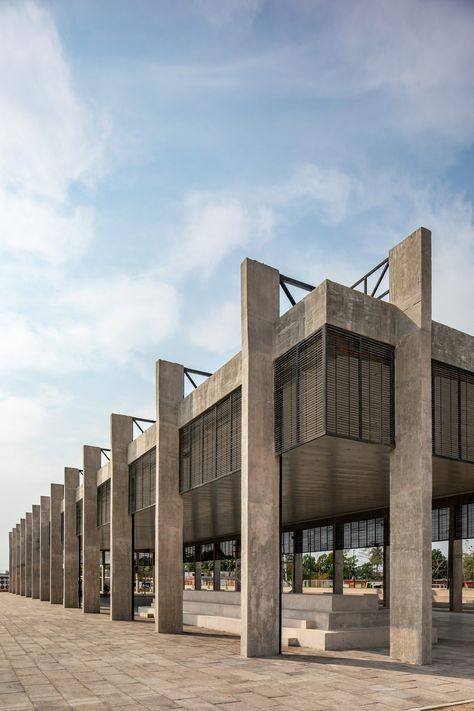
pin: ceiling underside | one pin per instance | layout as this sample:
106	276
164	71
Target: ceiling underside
322	479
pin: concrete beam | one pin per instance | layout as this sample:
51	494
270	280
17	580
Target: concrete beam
260	473
121	603
71	541
22	555
411	459
35	553
56	546
29	553
90	532
169	504
44	548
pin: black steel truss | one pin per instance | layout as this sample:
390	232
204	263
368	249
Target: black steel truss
286	281
383	267
192	371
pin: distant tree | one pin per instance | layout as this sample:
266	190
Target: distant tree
365	571
468	561
310	566
376	559
439	565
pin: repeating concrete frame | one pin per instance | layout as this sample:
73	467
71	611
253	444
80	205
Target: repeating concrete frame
406	323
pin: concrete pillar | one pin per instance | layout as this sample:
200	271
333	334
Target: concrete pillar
197	575
10	560
121	601
260	470
35	553
44	548
90	532
56	547
297	573
386	576
456	575
338	572
29	553
411	458
70	546
22	555
13	562
169	503
18	559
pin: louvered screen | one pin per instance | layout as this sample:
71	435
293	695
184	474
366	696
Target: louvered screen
453	412
464	521
364	533
315	540
299	394
287	543
227	550
79	518
103	503
359	387
189	554
142	479
210	445
440	524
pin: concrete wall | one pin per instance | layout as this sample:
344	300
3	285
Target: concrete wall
452	347
142	444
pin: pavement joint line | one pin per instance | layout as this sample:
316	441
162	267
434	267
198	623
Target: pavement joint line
444	705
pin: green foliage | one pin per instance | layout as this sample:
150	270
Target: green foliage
439	565
468	561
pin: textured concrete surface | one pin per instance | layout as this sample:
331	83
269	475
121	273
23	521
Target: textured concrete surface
90	532
169	503
54	658
56	547
71	545
29	553
44	547
35	552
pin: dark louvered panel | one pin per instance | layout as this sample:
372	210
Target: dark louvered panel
189	554
466	384
103	503
440	524
343	352
315	540
286	401
365	533
210	446
445	411
287	543
310	389
142	478
464	521
79	507
376	392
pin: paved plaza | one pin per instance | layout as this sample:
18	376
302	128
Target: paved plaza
52	658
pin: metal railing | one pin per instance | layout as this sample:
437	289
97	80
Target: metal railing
383	268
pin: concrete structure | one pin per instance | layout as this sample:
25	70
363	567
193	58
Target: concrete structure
35	552
28	553
345	423
44	548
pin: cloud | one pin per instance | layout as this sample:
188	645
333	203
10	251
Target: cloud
49	141
222	13
219	331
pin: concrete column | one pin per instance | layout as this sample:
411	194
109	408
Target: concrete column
197	575
44	548
56	547
260	477
386	576
338	572
411	458
10	560
297	573
29	553
13	562
121	600
22	555
169	503
90	532
35	552
456	576
18	559
70	547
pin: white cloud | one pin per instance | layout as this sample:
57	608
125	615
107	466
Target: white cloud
48	140
222	13
219	331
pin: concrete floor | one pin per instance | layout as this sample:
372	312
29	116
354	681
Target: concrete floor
51	658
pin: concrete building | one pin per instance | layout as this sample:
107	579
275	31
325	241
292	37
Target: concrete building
346	422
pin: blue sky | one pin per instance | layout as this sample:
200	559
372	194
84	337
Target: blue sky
147	147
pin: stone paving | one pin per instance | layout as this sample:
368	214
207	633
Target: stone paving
51	658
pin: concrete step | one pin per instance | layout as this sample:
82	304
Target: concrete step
213	622
326	640
339	620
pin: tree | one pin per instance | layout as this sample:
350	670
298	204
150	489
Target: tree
376	559
439	565
468	561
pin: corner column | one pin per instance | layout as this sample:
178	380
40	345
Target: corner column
35	553
260	470
56	546
29	553
169	504
44	548
121	600
70	547
90	532
411	458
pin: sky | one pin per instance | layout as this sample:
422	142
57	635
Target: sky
147	147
